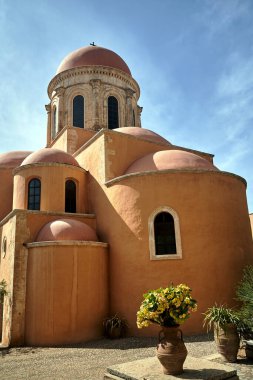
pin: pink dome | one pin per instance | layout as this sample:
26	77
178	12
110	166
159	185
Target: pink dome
143	133
66	229
170	159
50	155
93	56
13	159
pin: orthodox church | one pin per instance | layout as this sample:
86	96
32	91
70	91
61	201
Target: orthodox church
109	210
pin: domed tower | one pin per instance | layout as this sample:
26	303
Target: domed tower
93	89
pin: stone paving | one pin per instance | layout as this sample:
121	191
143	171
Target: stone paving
243	366
89	361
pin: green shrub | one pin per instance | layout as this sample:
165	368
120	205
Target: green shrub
245	295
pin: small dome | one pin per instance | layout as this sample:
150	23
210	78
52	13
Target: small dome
170	159
13	159
50	155
66	229
143	133
93	56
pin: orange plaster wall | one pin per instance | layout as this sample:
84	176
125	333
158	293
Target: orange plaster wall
36	220
215	233
251	222
70	139
7	273
6	191
53	178
67	293
129	149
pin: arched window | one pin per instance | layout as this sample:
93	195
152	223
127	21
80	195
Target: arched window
34	190
78	111
70	196
113	113
165	240
164	234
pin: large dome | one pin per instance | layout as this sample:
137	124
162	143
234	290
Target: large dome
66	229
14	158
143	133
170	159
93	56
50	155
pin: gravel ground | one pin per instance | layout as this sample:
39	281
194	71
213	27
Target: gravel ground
89	360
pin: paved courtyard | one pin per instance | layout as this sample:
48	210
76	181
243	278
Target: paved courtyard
90	360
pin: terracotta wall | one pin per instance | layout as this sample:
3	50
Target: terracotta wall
53	178
129	149
6	191
70	139
67	293
13	270
215	234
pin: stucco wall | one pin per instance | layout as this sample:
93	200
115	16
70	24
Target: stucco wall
215	236
70	139
7	232
53	177
67	292
6	191
130	148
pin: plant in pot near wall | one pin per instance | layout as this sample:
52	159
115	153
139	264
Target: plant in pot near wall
225	322
3	291
115	327
244	294
168	307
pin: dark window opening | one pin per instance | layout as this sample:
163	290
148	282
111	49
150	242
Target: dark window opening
133	121
78	111
70	196
34	189
54	122
164	228
113	113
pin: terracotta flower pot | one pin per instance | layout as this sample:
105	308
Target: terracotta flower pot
171	350
227	341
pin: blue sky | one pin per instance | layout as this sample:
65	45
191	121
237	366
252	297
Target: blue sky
193	60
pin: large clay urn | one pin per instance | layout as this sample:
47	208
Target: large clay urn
227	340
171	350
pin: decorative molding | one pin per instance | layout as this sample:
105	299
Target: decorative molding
93	70
152	250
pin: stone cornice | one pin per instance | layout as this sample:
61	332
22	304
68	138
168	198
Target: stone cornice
173	171
93	70
52	213
66	243
48	164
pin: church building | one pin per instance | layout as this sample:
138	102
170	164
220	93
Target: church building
109	210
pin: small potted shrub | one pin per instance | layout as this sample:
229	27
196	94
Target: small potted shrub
225	322
245	295
115	327
3	291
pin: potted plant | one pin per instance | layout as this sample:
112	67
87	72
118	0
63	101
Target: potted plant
3	291
244	294
168	307
115	327
225	322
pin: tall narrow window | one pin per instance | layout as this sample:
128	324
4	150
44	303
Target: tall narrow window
34	190
54	122
78	111
70	196
164	229
113	113
133	121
